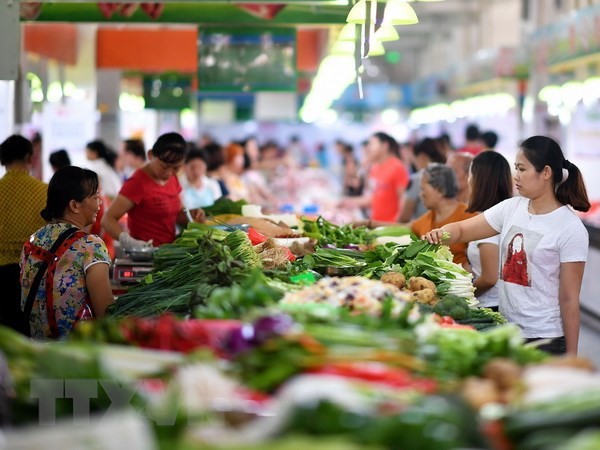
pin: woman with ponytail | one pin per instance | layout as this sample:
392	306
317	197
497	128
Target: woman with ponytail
551	238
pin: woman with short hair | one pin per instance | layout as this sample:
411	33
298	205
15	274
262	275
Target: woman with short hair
21	198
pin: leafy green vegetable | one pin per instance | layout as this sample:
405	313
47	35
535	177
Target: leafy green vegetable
453	306
235	301
326	232
391	230
325	257
224	205
456	353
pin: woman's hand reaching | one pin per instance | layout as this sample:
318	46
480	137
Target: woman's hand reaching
198	215
436	236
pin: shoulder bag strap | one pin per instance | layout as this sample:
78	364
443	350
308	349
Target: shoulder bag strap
50	271
40	273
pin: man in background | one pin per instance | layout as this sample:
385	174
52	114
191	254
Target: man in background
473	144
490	139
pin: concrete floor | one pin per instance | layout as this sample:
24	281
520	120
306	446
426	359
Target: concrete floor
589	340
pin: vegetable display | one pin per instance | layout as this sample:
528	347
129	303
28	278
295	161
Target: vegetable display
241	353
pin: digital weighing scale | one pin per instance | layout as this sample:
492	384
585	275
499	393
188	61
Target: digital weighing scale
127	271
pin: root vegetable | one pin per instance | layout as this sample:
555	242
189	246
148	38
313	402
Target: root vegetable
420	283
394	278
479	392
424	296
505	373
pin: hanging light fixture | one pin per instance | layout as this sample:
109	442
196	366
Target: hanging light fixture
358	13
376	49
348	32
399	12
386	33
376	24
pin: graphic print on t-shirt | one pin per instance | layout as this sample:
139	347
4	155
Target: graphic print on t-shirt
517	245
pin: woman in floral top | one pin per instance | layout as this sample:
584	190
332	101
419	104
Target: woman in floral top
74	282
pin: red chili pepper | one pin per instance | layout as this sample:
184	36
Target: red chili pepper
378	373
256	237
290	256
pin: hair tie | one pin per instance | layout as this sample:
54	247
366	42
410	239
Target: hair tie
566	164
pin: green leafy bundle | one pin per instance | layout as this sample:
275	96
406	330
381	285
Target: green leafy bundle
327	233
213	264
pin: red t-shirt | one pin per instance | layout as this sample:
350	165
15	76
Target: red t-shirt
387	178
156	207
471	149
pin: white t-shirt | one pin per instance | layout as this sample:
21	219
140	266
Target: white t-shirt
109	179
532	247
193	197
490	297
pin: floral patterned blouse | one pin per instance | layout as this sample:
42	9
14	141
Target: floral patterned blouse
70	290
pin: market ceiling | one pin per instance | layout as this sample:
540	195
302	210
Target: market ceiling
435	18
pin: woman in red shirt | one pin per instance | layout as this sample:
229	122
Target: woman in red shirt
151	198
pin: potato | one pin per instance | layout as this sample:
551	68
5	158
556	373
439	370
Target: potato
503	372
479	392
424	296
394	278
420	283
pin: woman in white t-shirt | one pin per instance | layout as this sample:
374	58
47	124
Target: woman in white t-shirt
490	183
543	244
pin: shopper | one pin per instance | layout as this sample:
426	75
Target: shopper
387	180
543	244
133	155
259	192
199	190
21	198
73	265
490	183
473	144
490	139
101	159
425	152
151	198
438	193
460	163
215	165
233	170
59	159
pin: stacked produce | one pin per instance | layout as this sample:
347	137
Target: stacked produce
276	353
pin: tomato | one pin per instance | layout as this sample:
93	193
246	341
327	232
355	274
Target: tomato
256	237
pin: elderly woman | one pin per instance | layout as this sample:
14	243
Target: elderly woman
64	270
17	222
438	194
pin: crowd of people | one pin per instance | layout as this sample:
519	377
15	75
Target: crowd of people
523	263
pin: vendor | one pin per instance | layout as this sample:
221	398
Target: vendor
151	198
64	270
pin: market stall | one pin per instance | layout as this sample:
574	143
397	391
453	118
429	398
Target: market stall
243	339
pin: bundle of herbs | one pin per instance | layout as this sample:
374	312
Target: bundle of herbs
213	264
327	233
